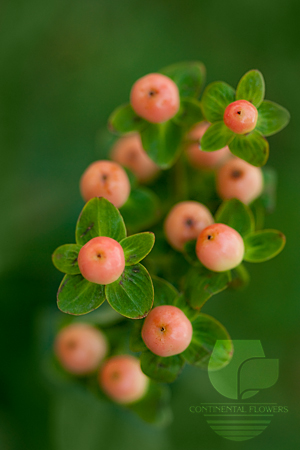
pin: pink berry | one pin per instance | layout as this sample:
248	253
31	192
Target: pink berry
101	260
128	152
80	348
155	97
167	331
105	179
220	247
240	117
185	221
238	179
197	157
122	379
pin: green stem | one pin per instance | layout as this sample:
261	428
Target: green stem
180	180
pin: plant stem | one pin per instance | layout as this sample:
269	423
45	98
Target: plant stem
180	180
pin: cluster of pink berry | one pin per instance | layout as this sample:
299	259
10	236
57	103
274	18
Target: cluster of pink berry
81	349
203	233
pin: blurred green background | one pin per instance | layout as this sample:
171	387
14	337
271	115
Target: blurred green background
65	65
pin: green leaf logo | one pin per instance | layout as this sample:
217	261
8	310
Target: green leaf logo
248	372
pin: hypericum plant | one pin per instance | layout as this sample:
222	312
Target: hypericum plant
206	215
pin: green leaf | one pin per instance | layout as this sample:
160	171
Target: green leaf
132	294
251	87
155	407
164	292
132	178
216	97
162	142
141	210
78	296
160	368
258	211
99	217
240	277
216	137
189	77
252	147
201	284
190	252
124	120
189	114
221	355
182	304
103	317
236	215
136	342
263	245
271	118
206	331
137	247
65	258
266	203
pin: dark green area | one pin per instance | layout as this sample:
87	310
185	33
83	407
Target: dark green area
65	66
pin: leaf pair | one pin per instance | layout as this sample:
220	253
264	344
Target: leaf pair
163	141
132	294
252	147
